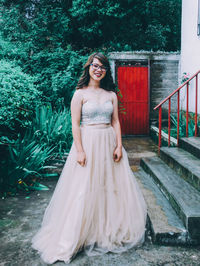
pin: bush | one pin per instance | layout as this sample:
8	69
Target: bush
53	129
19	97
25	159
14	51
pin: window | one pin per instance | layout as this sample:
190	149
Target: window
198	23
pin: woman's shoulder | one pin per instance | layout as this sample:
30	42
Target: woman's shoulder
78	95
110	93
113	95
79	92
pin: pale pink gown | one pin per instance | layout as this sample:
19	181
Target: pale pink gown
98	207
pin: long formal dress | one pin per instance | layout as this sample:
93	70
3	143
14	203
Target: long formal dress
96	208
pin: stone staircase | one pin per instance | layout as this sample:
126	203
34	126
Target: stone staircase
172	182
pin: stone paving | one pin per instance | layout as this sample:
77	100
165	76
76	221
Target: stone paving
20	218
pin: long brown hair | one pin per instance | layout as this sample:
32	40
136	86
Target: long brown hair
106	83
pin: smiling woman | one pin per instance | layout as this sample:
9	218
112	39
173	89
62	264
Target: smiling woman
97	71
99	65
97	205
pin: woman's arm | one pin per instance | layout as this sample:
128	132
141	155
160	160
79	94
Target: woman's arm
76	105
117	155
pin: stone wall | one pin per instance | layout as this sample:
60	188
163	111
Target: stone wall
163	81
163	72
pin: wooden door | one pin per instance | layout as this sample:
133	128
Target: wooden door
133	85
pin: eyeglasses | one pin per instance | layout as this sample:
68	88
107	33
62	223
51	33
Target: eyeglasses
96	66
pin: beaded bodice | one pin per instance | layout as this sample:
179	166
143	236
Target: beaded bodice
95	113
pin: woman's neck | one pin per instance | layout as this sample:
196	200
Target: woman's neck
93	84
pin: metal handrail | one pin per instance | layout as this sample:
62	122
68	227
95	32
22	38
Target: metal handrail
159	106
187	81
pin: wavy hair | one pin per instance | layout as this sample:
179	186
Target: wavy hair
106	83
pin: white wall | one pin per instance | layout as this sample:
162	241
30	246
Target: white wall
190	49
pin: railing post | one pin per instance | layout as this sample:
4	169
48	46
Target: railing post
196	102
159	106
169	121
187	108
160	129
178	116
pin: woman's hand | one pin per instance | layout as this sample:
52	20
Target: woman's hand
81	158
117	154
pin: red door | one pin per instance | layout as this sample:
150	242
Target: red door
133	85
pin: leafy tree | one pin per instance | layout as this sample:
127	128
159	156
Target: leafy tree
42	24
113	24
128	25
56	74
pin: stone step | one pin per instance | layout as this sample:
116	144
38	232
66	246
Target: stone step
184	163
191	144
164	224
182	196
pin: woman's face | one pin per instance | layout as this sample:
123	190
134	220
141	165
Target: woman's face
97	70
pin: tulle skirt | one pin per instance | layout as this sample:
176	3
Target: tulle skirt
96	208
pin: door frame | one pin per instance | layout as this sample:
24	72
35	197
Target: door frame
138	63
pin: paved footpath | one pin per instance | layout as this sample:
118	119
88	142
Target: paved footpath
20	218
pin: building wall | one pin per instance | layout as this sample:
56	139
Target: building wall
163	72
163	81
190	49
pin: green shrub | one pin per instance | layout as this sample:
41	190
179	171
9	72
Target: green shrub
14	51
19	97
25	159
28	157
53	128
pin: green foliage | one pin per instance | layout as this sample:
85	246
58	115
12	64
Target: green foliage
25	159
121	108
53	128
96	23
40	23
13	51
122	25
56	73
28	157
19	97
113	25
182	124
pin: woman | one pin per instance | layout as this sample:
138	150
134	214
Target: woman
96	205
